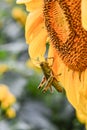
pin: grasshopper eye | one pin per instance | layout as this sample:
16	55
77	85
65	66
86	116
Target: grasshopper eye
41	64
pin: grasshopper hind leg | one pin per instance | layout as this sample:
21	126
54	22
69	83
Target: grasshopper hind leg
48	84
42	83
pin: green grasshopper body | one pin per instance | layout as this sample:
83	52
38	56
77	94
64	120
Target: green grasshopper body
49	78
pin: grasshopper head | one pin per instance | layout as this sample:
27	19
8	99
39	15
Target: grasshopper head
44	64
46	68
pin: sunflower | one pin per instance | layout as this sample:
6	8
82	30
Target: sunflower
63	24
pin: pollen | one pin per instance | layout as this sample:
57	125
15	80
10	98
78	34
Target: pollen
64	26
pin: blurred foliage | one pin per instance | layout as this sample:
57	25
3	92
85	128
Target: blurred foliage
34	110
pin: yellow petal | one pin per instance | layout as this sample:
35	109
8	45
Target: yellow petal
19	15
37	47
35	32
8	101
51	54
10	113
57	65
33	20
84	13
82	118
33	5
85	83
76	91
3	91
22	1
62	69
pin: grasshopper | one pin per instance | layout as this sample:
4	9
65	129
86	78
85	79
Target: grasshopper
49	78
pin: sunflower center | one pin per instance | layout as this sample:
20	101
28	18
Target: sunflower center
63	23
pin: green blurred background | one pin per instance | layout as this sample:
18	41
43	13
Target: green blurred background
34	110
